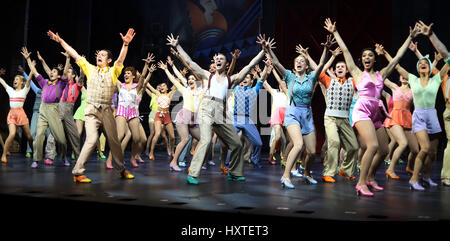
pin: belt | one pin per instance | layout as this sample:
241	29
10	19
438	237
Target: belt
163	109
214	98
300	104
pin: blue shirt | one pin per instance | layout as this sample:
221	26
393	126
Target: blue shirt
37	91
300	92
245	99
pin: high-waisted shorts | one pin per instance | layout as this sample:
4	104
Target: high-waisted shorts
300	114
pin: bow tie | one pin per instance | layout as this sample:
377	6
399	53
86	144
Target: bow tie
52	82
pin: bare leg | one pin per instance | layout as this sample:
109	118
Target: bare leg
26	129
9	140
158	128
171	131
380	154
398	134
425	145
275	141
310	144
293	130
183	132
432	155
368	134
413	149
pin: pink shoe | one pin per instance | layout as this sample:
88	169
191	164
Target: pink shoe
48	161
375	186
359	191
133	163
174	168
109	166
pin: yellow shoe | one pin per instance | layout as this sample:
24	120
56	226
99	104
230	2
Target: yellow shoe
126	175
81	179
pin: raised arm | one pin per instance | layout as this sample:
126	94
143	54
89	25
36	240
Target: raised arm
177	54
235	55
72	52
203	74
334	54
32	66
237	78
386	71
126	41
413	47
381	51
2	81
179	75
44	65
67	65
172	78
281	83
326	47
438	45
351	66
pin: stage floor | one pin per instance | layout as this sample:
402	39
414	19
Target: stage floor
156	187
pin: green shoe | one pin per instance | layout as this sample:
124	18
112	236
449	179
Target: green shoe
191	180
235	178
28	155
73	156
100	155
283	163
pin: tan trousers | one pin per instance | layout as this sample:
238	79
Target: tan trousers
94	118
210	116
445	173
49	118
339	132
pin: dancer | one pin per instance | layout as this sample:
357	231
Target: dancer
367	116
212	109
16	116
185	120
162	117
101	81
127	114
298	117
151	122
49	110
401	123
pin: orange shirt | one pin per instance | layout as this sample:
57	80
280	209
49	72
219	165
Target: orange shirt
443	84
326	80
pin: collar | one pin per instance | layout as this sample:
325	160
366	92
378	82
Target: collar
341	80
52	82
102	70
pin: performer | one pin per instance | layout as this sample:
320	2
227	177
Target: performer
186	118
211	112
16	116
367	116
298	117
49	111
401	123
101	81
151	123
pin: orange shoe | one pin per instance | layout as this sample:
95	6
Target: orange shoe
328	179
392	176
81	179
224	170
4	160
152	157
341	173
409	171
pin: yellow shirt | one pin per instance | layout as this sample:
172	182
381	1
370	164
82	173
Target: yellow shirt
88	68
153	103
189	99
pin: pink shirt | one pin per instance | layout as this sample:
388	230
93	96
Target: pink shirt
71	92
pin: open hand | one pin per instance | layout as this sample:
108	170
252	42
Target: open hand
172	41
128	37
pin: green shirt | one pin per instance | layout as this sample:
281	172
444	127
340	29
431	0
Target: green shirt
447	61
153	103
424	98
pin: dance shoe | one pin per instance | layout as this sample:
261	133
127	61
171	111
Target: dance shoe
182	164
211	163
445	182
152	157
375	186
429	182
309	180
224	170
360	191
48	162
285	184
391	176
415	186
232	177
81	179
328	179
66	163
341	173
192	180
28	155
4	160
34	165
134	164
109	166
126	175
296	173
409	171
174	168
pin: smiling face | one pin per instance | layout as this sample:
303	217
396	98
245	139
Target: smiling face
368	59
19	82
403	81
163	88
103	59
300	64
423	67
191	82
341	69
129	77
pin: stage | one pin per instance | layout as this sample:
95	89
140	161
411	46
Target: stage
157	194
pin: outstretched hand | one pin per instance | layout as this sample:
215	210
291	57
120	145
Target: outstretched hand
54	36
336	52
172	41
25	53
128	37
300	50
413	46
236	53
331	27
152	68
413	32
150	58
423	28
162	65
379	49
330	41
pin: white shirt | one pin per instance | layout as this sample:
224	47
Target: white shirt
218	90
17	98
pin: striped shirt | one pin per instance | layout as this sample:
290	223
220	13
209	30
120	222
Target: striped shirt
17	98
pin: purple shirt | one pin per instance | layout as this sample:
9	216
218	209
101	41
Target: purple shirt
51	93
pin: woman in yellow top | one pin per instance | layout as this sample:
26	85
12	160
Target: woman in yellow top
186	118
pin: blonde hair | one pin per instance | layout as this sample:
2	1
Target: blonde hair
24	81
308	70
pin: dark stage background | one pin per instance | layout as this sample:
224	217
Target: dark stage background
207	27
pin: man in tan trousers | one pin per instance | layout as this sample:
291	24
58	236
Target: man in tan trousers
101	82
211	114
